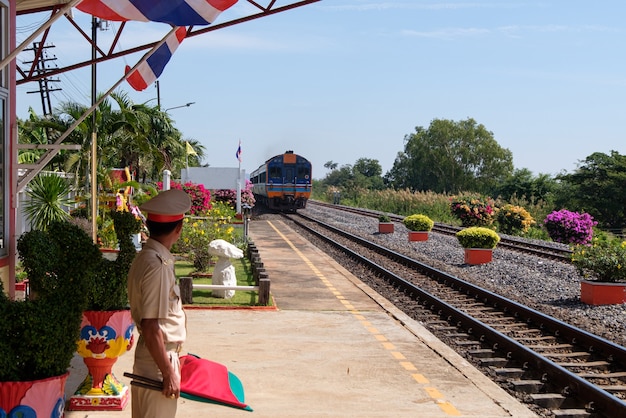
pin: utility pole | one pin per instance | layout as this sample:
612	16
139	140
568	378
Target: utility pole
42	68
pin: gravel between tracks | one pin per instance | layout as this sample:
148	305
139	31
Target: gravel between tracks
548	286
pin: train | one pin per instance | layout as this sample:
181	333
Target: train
283	182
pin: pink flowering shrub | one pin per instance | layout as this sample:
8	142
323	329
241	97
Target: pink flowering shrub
570	227
200	197
473	210
230	196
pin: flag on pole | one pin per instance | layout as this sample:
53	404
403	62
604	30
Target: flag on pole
151	68
238	153
174	12
190	150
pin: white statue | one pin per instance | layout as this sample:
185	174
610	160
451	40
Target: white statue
224	271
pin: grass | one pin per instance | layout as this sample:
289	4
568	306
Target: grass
204	298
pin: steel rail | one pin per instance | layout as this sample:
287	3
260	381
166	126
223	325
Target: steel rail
595	397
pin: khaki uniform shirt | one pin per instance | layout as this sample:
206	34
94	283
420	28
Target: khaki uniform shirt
153	292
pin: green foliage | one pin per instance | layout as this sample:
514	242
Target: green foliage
478	237
38	336
48	199
109	291
603	261
597	187
473	210
243	272
450	157
514	220
384	218
198	232
522	183
418	222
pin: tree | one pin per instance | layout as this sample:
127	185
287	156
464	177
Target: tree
597	187
522	183
451	157
330	165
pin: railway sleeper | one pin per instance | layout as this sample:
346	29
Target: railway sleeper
601	365
543	347
614	388
493	361
481	353
553	401
610	375
507	373
527	386
581	355
571	413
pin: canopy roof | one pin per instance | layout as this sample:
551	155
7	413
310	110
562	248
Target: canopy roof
31	6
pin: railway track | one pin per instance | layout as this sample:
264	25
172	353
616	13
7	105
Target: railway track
562	370
510	243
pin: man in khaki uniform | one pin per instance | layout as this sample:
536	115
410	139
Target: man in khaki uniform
156	307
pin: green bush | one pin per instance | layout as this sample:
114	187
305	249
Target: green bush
478	237
418	222
603	261
514	220
384	218
38	336
109	291
473	210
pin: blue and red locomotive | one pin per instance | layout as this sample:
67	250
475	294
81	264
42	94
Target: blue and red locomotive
283	182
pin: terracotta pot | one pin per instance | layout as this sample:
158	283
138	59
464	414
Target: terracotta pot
602	293
418	236
385	227
104	336
37	398
478	255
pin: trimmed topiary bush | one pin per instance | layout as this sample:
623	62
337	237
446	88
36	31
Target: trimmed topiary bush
478	237
418	222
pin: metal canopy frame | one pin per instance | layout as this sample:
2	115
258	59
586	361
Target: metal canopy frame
27	172
106	54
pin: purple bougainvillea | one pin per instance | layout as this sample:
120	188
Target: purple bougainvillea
570	227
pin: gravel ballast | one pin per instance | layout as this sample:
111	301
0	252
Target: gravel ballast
550	287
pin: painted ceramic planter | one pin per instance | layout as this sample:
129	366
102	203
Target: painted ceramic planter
415	236
478	255
104	336
385	227
602	293
43	398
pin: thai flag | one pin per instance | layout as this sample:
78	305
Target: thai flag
238	153
151	68
174	12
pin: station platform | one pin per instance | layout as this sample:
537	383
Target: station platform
331	348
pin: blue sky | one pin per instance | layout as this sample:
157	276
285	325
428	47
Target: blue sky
340	80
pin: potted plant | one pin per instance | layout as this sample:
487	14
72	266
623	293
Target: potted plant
38	336
419	226
603	265
107	326
385	226
478	243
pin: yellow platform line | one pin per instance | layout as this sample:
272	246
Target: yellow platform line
444	405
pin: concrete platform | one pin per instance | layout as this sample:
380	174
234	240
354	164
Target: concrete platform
333	348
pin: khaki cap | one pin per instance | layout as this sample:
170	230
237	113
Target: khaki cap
168	206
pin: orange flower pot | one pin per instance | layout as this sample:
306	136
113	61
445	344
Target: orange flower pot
385	227
602	293
478	255
415	236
